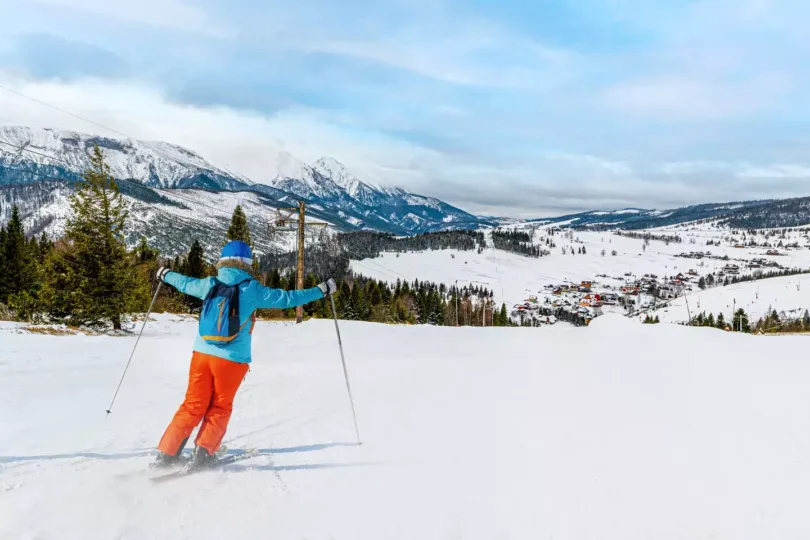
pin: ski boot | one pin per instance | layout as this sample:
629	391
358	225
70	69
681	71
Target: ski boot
201	459
164	460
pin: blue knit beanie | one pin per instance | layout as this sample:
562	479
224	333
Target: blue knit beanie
236	250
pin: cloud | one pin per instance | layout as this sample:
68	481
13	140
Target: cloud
679	97
170	14
499	108
45	56
783	171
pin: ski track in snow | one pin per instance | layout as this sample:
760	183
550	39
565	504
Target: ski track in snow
615	431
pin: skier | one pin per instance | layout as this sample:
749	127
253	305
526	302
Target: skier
222	350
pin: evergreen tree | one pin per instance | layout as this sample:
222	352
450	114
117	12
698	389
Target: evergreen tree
274	279
195	262
740	323
806	320
239	229
721	321
99	280
504	316
2	252
710	320
19	260
702	282
45	247
194	266
145	253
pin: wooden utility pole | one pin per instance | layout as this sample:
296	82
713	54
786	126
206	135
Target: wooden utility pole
299	311
283	219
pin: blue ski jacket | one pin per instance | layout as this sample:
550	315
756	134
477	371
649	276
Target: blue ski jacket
253	295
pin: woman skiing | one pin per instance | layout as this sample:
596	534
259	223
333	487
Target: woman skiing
222	350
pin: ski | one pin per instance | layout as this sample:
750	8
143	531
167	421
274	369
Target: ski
227	460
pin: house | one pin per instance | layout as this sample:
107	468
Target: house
667	292
610	299
731	269
692	272
772	252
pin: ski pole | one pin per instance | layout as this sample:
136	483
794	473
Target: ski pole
149	312
345	371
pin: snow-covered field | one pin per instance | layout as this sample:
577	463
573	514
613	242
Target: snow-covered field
513	277
789	294
617	431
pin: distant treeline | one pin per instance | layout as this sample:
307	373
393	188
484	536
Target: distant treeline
666	238
770	324
419	302
517	242
784	213
731	280
368	245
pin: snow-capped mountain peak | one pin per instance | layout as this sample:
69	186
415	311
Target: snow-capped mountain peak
40	165
340	175
155	164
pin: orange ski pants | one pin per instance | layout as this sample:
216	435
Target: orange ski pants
212	385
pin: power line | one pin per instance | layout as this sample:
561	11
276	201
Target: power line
54	107
192	201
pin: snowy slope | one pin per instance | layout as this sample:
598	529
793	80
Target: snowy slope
513	277
789	294
478	434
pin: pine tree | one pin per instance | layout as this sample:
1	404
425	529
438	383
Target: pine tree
740	322
721	321
2	251
145	253
274	279
45	247
19	260
504	316
239	229
702	282
99	280
710	320
195	262
806	320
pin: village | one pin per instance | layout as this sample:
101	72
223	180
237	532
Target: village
580	302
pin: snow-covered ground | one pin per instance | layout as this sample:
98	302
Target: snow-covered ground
789	294
513	277
617	431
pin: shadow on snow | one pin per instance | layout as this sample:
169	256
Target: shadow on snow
149	451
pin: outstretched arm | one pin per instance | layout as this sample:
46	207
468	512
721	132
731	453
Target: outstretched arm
281	299
197	288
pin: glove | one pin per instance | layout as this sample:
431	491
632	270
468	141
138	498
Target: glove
161	273
328	287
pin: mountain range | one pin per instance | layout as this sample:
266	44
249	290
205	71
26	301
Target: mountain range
170	186
176	195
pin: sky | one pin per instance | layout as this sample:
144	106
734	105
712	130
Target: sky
521	108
